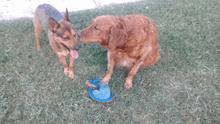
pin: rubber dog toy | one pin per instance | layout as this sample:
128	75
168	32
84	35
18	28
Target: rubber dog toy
99	91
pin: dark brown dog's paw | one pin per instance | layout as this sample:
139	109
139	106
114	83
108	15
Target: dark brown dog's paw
71	75
66	71
128	84
38	48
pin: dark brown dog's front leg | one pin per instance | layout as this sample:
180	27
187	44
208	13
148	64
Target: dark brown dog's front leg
128	83
111	64
63	60
71	70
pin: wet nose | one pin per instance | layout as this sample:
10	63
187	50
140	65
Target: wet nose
79	35
76	47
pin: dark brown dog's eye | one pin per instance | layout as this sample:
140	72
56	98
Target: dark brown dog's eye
96	28
66	38
59	35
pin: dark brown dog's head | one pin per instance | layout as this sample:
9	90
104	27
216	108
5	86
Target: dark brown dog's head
108	30
64	34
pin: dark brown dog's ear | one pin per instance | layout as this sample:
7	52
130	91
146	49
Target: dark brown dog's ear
67	18
118	35
53	25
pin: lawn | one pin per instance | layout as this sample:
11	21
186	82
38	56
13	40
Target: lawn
182	87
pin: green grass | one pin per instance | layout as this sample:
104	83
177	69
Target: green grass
184	82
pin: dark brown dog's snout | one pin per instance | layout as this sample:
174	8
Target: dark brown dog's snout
76	47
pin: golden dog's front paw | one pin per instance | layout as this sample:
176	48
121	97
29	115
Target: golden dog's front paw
105	80
128	84
71	75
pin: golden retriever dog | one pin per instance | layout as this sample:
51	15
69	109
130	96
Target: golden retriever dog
131	41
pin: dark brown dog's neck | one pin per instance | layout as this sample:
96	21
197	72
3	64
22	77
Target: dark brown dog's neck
52	41
59	47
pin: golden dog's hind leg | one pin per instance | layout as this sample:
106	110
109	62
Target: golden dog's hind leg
38	27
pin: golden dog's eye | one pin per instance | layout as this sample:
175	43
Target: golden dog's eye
96	28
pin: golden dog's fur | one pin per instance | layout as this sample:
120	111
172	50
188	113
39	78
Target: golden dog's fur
131	41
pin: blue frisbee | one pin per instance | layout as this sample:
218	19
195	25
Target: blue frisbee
99	91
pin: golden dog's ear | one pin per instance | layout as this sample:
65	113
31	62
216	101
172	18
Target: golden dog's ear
53	25
67	18
117	35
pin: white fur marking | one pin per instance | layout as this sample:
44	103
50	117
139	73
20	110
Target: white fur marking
108	54
149	49
125	63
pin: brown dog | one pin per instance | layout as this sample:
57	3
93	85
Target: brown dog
61	33
131	41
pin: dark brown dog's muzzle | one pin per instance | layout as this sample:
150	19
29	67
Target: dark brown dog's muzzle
66	47
76	47
76	44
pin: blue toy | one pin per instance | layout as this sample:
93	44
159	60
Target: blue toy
102	93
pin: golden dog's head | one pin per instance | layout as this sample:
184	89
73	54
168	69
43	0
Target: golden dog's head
64	34
108	30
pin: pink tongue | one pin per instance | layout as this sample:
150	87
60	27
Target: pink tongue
74	54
